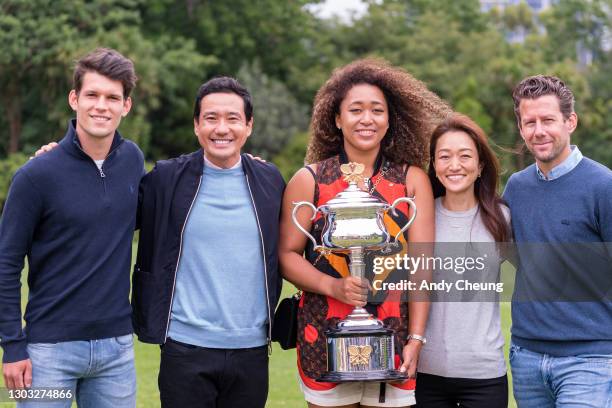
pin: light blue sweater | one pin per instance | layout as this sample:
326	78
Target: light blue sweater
220	297
566	213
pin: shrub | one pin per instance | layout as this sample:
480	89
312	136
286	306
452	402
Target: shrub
8	167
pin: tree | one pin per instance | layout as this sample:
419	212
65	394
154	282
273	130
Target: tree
40	39
8	167
236	32
284	54
278	116
36	37
291	158
579	26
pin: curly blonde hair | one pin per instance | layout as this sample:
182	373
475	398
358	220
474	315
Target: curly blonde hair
414	111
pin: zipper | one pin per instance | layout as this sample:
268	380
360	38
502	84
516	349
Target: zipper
100	170
179	258
102	174
263	252
103	177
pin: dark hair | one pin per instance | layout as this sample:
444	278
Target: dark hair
413	112
109	63
486	185
540	85
224	84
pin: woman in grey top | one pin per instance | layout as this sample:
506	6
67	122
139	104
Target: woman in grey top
462	363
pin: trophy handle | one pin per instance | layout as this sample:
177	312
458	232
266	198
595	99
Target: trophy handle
410	201
297	224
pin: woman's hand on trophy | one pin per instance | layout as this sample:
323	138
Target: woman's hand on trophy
410	356
351	290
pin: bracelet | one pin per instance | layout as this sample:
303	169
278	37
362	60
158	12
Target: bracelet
417	337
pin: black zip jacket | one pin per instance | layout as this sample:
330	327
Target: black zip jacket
166	196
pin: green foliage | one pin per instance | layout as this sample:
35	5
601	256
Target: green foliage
8	167
236	31
291	158
577	25
277	114
475	68
42	39
516	17
179	70
284	53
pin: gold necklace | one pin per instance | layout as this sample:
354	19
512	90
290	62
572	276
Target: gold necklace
382	174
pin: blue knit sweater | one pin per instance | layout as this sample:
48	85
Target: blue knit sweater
75	225
220	296
566	213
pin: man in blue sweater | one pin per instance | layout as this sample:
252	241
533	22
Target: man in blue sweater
561	352
72	212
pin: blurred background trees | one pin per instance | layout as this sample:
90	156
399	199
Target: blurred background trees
469	53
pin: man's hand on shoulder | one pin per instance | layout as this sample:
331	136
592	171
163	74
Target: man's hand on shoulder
44	149
17	374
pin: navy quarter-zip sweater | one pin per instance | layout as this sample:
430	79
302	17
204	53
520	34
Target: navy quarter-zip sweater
75	224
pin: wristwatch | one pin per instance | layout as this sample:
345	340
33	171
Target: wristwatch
417	337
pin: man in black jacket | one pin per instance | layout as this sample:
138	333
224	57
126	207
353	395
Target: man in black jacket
206	280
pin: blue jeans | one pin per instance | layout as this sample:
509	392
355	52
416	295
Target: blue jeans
99	373
543	381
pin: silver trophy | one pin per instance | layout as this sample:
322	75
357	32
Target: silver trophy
360	348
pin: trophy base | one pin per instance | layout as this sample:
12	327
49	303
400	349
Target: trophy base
380	376
360	352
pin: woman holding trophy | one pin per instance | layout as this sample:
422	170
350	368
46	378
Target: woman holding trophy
463	364
371	122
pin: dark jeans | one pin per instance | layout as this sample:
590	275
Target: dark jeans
192	376
433	391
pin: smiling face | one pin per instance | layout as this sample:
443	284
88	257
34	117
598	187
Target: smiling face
363	118
99	106
222	128
456	163
545	131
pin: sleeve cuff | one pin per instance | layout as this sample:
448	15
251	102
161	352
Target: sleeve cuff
14	351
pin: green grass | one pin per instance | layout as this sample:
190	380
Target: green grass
284	390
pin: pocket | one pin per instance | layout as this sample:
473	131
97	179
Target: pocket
596	359
513	350
125	341
255	361
148	303
177	349
45	354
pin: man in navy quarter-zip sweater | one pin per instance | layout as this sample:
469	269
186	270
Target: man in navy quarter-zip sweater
206	281
72	213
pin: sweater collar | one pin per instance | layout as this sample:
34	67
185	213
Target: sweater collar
72	145
212	165
562	168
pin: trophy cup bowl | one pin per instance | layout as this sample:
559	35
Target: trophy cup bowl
359	348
